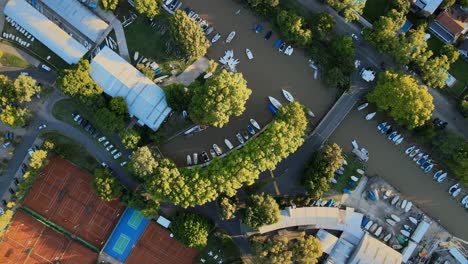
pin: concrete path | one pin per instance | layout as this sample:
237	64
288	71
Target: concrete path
119	31
19	53
193	71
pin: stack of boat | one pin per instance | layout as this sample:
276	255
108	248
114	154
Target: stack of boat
393	135
423	161
229	60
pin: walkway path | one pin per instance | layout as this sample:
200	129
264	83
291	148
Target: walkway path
119	32
193	71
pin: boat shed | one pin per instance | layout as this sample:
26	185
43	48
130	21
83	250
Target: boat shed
371	250
420	231
145	100
327	240
45	31
408	251
79	16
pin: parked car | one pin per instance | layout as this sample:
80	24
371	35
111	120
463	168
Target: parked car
24	73
6	144
42	126
123	163
75	113
45	67
116	156
88	127
440	123
110	147
105	143
77	117
114	151
102	139
104	164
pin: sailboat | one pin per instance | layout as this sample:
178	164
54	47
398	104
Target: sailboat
254	123
363	106
275	102
370	116
230	37
288	96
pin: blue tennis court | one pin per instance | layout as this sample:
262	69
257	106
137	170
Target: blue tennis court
125	235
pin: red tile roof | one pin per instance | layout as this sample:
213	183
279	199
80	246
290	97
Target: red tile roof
453	21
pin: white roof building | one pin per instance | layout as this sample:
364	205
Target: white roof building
45	31
371	250
427	6
145	100
79	16
420	231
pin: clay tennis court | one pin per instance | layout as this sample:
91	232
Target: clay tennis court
28	241
156	246
64	195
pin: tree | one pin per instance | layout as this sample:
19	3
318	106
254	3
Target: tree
410	45
407	102
109	5
451	52
150	8
38	159
188	34
434	71
118	106
14	116
323	25
384	31
76	82
219	98
343	47
447	4
108	121
106	186
212	66
147	207
307	250
347	8
130	138
261	210
335	77
191	229
177	96
464	3
7	94
321	168
227	208
142	162
147	71
270	3
292	27
24	88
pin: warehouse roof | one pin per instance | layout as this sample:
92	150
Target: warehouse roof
372	250
79	16
146	101
45	31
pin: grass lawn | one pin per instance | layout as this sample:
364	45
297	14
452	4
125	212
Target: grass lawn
459	70
374	9
435	44
222	245
13	61
80	156
349	170
63	109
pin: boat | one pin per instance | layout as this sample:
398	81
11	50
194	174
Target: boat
464	200
195	158
213	153
397	137
251	129
398	142
288	96
278	43
437	174
454	188
418	157
364	221
414	153
413	220
355	144
401	240
354	178
429	168
423	159
275	102
370	116
240	138
189	160
407	228
404	203
289	50
217	149
442	177
362	107
258	28
268	35
387	237
397	247
378	232
273	109
135	56
208	75
395	218
282	47
249	54
245	134
385	129
230	37
409	150
228	143
209	30
344	162
426	164
373	227
310	113
408	207
216	38
456	192
392	135
405	233
395	200
381	126
254	123
390	221
371	196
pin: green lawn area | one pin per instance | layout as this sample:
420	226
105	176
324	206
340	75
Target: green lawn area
349	170
435	44
63	109
374	9
75	152
222	245
459	70
13	61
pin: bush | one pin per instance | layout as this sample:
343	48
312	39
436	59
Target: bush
177	96
191	229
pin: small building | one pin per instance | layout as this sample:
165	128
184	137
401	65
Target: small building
425	7
145	100
367	75
371	250
420	231
450	24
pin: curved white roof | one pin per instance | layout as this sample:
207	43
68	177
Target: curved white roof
45	31
146	101
371	251
78	16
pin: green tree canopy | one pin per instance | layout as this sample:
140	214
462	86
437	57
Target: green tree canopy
24	88
142	162
106	186
219	98
451	52
434	71
227	208
38	159
191	229
261	210
317	176
407	102
147	207
177	96
108	121
147	71
464	3
307	250
150	8
410	45
130	138
384	31
14	116
109	5
188	34
347	8
270	3
343	47
118	106
323	25
292	27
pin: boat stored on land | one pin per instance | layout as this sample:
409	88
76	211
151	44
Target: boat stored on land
230	37
408	207
409	150
240	138
288	96
390	221
254	123
251	130
362	107
413	220
395	200
217	149
370	116
228	143
396	218
275	102
249	54
195	158
189	160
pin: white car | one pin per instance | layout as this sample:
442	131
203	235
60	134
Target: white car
114	151
104	165
101	139
106	143
123	163
116	156
76	118
45	67
24	73
110	147
42	126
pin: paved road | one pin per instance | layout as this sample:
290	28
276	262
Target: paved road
40	75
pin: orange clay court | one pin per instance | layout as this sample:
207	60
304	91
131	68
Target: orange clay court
63	194
156	246
28	241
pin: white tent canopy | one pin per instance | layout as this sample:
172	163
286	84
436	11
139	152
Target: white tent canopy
45	31
367	75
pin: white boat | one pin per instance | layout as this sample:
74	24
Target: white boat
288	96
249	54
240	138
403	204
398	142
437	174
217	149
333	180
228	143
135	56
405	233
465	200
368	225
408	207
390	221
373	228
216	38
209	30
195	158
354	178
397	137
355	144
289	50
381	126
395	218
387	237
397	246
208	75
409	150
370	116
189	160
407	228
392	135
310	113
378	232
254	123
414	153
230	37
395	200
413	220
417	157
344	162
442	177
363	106
275	102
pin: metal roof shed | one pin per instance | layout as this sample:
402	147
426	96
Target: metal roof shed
420	231
145	100
45	31
372	250
79	16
